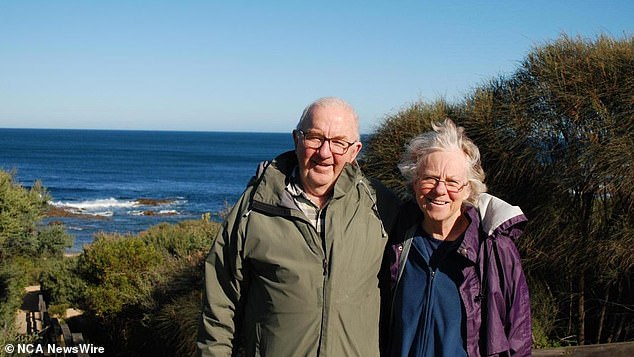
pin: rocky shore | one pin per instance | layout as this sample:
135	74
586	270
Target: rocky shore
54	211
73	212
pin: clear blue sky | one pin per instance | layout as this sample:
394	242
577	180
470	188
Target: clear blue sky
254	65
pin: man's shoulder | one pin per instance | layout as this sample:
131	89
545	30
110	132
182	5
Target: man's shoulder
283	164
259	172
387	202
382	192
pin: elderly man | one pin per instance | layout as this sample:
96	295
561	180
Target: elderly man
293	271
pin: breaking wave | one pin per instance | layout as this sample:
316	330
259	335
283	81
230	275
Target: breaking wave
108	207
98	204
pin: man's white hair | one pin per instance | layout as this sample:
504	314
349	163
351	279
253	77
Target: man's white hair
328	102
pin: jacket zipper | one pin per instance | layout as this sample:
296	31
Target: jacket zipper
324	299
407	244
325	263
426	331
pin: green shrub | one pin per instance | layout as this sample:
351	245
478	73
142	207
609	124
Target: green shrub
58	310
12	282
140	290
183	239
44	242
24	245
20	212
384	148
119	271
60	282
127	270
52	241
176	323
544	312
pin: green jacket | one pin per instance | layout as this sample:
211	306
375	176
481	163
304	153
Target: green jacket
275	288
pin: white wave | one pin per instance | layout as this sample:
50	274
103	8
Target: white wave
163	212
95	205
103	213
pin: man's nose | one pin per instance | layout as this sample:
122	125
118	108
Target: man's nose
324	149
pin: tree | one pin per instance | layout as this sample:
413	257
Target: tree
557	138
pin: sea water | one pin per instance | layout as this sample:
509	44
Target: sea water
127	181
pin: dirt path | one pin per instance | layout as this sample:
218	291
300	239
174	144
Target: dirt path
27	318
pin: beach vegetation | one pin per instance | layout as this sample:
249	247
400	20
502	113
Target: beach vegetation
60	282
21	213
140	294
26	246
137	292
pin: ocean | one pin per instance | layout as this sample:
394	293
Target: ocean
127	181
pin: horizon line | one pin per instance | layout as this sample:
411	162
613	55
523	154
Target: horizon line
162	130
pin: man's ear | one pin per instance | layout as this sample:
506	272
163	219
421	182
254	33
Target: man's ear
295	137
357	149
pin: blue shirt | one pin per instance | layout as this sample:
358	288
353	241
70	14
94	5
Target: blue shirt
428	313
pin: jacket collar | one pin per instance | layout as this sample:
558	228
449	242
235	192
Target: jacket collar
271	187
471	242
497	214
472	236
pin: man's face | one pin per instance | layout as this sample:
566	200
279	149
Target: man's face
319	168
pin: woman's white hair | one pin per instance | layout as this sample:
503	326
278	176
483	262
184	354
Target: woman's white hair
444	136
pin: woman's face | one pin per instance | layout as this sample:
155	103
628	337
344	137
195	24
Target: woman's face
442	186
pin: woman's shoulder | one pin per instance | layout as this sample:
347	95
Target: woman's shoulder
499	218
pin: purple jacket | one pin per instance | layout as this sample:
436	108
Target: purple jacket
494	292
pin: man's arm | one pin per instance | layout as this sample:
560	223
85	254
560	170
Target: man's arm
221	312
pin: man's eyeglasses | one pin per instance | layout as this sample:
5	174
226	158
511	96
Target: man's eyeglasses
315	141
430	182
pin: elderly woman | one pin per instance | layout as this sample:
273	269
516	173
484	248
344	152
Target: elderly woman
458	284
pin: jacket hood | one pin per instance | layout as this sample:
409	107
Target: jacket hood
498	215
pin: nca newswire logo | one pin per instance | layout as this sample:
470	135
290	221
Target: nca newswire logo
31	348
